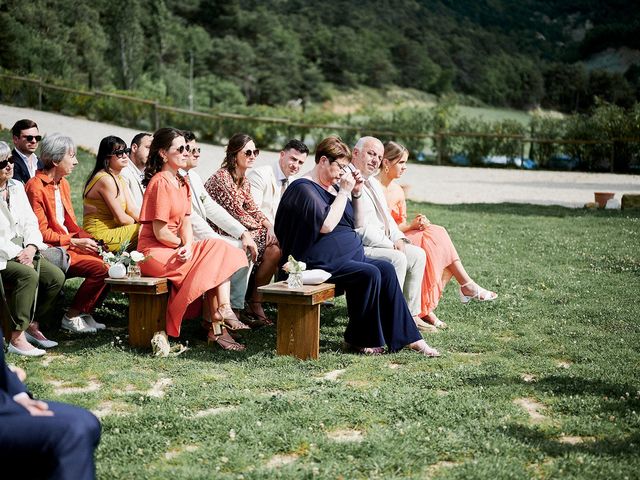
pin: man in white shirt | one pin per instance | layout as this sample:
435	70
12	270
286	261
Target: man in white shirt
205	211
268	182
133	173
25	139
380	234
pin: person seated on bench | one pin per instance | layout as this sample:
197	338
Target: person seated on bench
443	261
50	197
43	440
231	189
20	265
315	224
166	238
109	213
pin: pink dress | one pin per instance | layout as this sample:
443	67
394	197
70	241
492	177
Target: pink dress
435	242
212	260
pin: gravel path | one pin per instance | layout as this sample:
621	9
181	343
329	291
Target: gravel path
446	185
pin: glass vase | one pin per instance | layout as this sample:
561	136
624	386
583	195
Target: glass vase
134	271
294	280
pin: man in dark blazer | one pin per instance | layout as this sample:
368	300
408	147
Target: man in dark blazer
25	138
43	440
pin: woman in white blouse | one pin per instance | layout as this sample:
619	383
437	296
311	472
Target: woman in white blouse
35	282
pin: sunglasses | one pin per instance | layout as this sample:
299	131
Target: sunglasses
31	138
195	150
121	153
6	162
182	148
255	152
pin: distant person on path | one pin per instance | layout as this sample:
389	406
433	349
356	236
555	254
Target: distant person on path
194	268
380	234
25	139
268	182
230	188
50	197
133	172
110	215
43	440
22	266
443	261
205	211
315	225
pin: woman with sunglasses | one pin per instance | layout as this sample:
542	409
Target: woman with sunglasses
230	188
195	268
33	278
443	261
50	197
109	213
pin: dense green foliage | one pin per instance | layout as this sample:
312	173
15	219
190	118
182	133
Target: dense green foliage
519	54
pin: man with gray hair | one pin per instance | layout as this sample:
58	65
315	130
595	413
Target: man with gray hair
381	236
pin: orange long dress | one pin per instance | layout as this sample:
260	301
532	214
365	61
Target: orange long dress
435	242
212	260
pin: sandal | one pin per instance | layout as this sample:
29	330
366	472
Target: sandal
225	341
480	295
431	319
425	349
370	351
262	319
226	315
423	326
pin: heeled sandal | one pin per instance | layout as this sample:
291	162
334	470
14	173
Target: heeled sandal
226	315
261	320
480	295
226	342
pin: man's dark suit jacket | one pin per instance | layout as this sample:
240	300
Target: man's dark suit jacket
20	169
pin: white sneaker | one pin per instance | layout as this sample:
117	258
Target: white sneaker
91	322
76	325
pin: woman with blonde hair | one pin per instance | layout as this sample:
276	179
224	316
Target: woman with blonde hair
443	261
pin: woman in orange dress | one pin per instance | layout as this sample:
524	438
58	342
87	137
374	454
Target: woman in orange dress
443	261
166	237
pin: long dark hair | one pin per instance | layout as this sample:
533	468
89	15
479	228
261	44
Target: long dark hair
107	146
162	140
236	143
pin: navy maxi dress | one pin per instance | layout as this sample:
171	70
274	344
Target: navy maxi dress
378	312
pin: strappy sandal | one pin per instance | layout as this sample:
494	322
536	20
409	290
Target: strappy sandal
370	351
226	342
262	319
226	315
431	319
480	295
427	351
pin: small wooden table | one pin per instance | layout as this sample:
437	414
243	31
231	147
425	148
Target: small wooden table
148	298
298	331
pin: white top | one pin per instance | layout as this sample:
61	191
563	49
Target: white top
31	162
60	209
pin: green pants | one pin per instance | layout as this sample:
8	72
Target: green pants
25	280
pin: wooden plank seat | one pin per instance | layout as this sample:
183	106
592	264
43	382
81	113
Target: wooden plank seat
148	298
298	329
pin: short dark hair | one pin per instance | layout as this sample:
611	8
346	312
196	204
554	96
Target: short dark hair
296	145
21	125
138	138
188	135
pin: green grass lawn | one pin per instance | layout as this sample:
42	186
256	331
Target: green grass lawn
542	383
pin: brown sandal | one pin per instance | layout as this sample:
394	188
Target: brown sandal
226	315
225	341
260	320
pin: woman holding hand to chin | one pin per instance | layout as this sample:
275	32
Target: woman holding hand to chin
166	238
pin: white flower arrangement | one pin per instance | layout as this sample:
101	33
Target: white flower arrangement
121	256
294	266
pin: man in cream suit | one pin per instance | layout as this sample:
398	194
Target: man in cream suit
133	173
268	182
380	234
205	211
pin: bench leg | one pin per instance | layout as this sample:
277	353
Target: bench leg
147	315
298	331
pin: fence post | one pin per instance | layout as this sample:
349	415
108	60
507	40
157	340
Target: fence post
156	116
40	94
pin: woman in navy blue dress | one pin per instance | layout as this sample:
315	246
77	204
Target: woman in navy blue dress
314	223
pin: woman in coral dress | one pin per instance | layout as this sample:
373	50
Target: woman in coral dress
443	261
166	237
109	213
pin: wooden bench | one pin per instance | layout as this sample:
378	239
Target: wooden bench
148	298
298	330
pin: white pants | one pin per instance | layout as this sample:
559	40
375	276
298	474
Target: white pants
409	268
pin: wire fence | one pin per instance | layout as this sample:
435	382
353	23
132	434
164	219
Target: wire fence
439	147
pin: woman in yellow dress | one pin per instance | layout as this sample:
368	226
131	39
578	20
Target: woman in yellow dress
109	213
